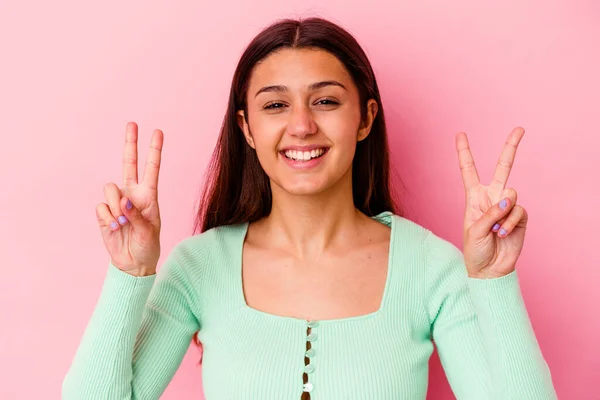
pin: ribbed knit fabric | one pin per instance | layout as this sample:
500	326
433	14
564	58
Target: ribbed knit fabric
142	327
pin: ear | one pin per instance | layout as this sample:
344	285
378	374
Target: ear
243	124
367	122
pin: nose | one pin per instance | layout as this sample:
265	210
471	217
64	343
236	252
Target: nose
301	123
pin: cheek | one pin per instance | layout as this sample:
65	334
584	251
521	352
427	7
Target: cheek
341	131
266	135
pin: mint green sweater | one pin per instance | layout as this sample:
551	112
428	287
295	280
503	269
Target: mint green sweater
141	329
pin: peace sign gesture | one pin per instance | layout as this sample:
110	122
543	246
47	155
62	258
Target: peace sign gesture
130	219
494	225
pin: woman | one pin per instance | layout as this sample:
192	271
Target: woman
305	282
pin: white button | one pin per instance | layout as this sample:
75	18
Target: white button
308	387
309	369
312	337
309	353
312	324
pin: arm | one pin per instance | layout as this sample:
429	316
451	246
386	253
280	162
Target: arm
482	332
137	337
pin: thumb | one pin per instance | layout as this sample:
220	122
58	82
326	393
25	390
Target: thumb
132	213
486	222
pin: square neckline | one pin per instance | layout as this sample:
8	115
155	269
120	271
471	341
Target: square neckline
381	309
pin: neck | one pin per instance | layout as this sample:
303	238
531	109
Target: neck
309	225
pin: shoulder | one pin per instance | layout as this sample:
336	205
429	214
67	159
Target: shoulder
435	250
195	253
215	238
402	227
405	232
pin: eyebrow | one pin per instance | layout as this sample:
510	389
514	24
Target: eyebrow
312	87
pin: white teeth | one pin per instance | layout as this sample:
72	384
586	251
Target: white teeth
304	155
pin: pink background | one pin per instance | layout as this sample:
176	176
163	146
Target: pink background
73	73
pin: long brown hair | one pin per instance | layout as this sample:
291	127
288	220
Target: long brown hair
237	189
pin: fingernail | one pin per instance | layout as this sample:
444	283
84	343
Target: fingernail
122	220
113	225
503	204
129	205
496	227
502	232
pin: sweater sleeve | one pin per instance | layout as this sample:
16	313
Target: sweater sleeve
482	331
136	338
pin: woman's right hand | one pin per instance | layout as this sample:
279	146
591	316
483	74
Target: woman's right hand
130	219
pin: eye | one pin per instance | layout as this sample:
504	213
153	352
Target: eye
274	105
327	102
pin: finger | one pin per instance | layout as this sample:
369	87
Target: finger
488	220
513	196
518	216
465	160
498	225
506	160
137	220
153	161
112	195
130	155
105	218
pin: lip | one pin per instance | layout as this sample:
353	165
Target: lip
306	147
304	165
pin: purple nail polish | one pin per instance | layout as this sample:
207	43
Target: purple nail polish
129	205
503	204
502	232
113	225
496	227
122	220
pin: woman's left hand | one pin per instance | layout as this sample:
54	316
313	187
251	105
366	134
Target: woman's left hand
494	225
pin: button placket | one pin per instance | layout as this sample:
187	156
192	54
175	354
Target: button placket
309	354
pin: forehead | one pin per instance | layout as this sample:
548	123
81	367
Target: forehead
297	68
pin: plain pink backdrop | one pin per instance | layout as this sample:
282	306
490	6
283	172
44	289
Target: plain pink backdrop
73	73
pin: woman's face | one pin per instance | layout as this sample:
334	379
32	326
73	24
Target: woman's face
304	119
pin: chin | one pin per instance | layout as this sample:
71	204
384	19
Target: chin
304	187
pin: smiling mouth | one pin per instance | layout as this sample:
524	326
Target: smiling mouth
304	156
